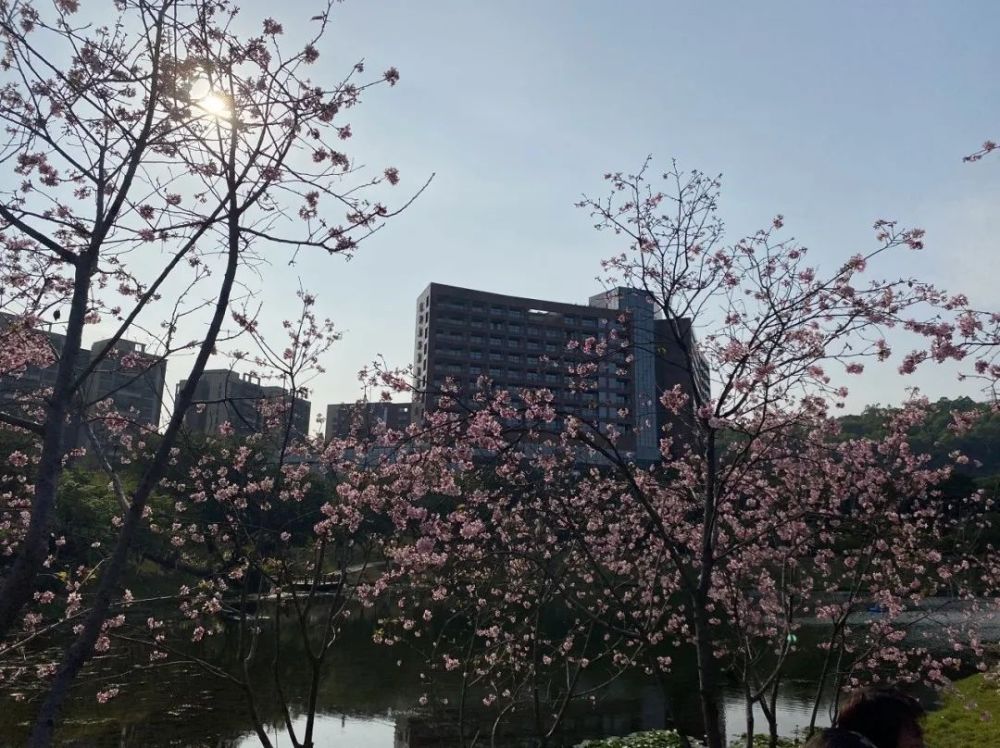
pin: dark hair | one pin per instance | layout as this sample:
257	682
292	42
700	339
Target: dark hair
883	715
837	738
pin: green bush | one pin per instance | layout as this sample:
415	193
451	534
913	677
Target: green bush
764	741
650	739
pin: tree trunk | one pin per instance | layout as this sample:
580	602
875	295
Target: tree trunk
81	649
18	585
707	680
748	705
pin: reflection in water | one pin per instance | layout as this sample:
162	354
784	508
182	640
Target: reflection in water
368	699
332	730
618	714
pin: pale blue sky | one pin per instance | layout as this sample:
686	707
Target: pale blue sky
833	114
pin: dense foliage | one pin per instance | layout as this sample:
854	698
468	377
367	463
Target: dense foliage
936	434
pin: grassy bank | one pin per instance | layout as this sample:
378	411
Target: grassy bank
968	718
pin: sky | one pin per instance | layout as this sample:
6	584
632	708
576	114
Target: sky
832	114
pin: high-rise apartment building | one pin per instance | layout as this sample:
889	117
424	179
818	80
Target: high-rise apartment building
462	335
342	417
225	396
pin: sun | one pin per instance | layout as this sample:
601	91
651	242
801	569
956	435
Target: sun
215	105
212	103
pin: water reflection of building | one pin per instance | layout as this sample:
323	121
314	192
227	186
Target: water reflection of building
613	715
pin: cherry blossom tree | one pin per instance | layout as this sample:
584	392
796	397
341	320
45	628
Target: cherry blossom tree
248	526
495	592
759	515
772	327
168	133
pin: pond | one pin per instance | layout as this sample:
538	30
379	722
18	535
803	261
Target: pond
368	699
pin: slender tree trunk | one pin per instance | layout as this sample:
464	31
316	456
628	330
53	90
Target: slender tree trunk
81	649
768	701
707	666
707	680
748	707
276	669
824	673
258	724
19	584
317	668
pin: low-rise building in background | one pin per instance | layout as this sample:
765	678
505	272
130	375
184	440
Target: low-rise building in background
226	396
125	379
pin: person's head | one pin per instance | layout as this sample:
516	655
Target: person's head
837	738
887	717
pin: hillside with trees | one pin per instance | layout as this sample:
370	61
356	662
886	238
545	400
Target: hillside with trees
938	437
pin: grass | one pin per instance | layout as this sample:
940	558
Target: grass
968	718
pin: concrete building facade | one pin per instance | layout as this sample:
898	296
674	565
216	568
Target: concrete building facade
130	378
341	417
225	396
463	334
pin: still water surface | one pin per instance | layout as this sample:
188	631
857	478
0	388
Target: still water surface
368	699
